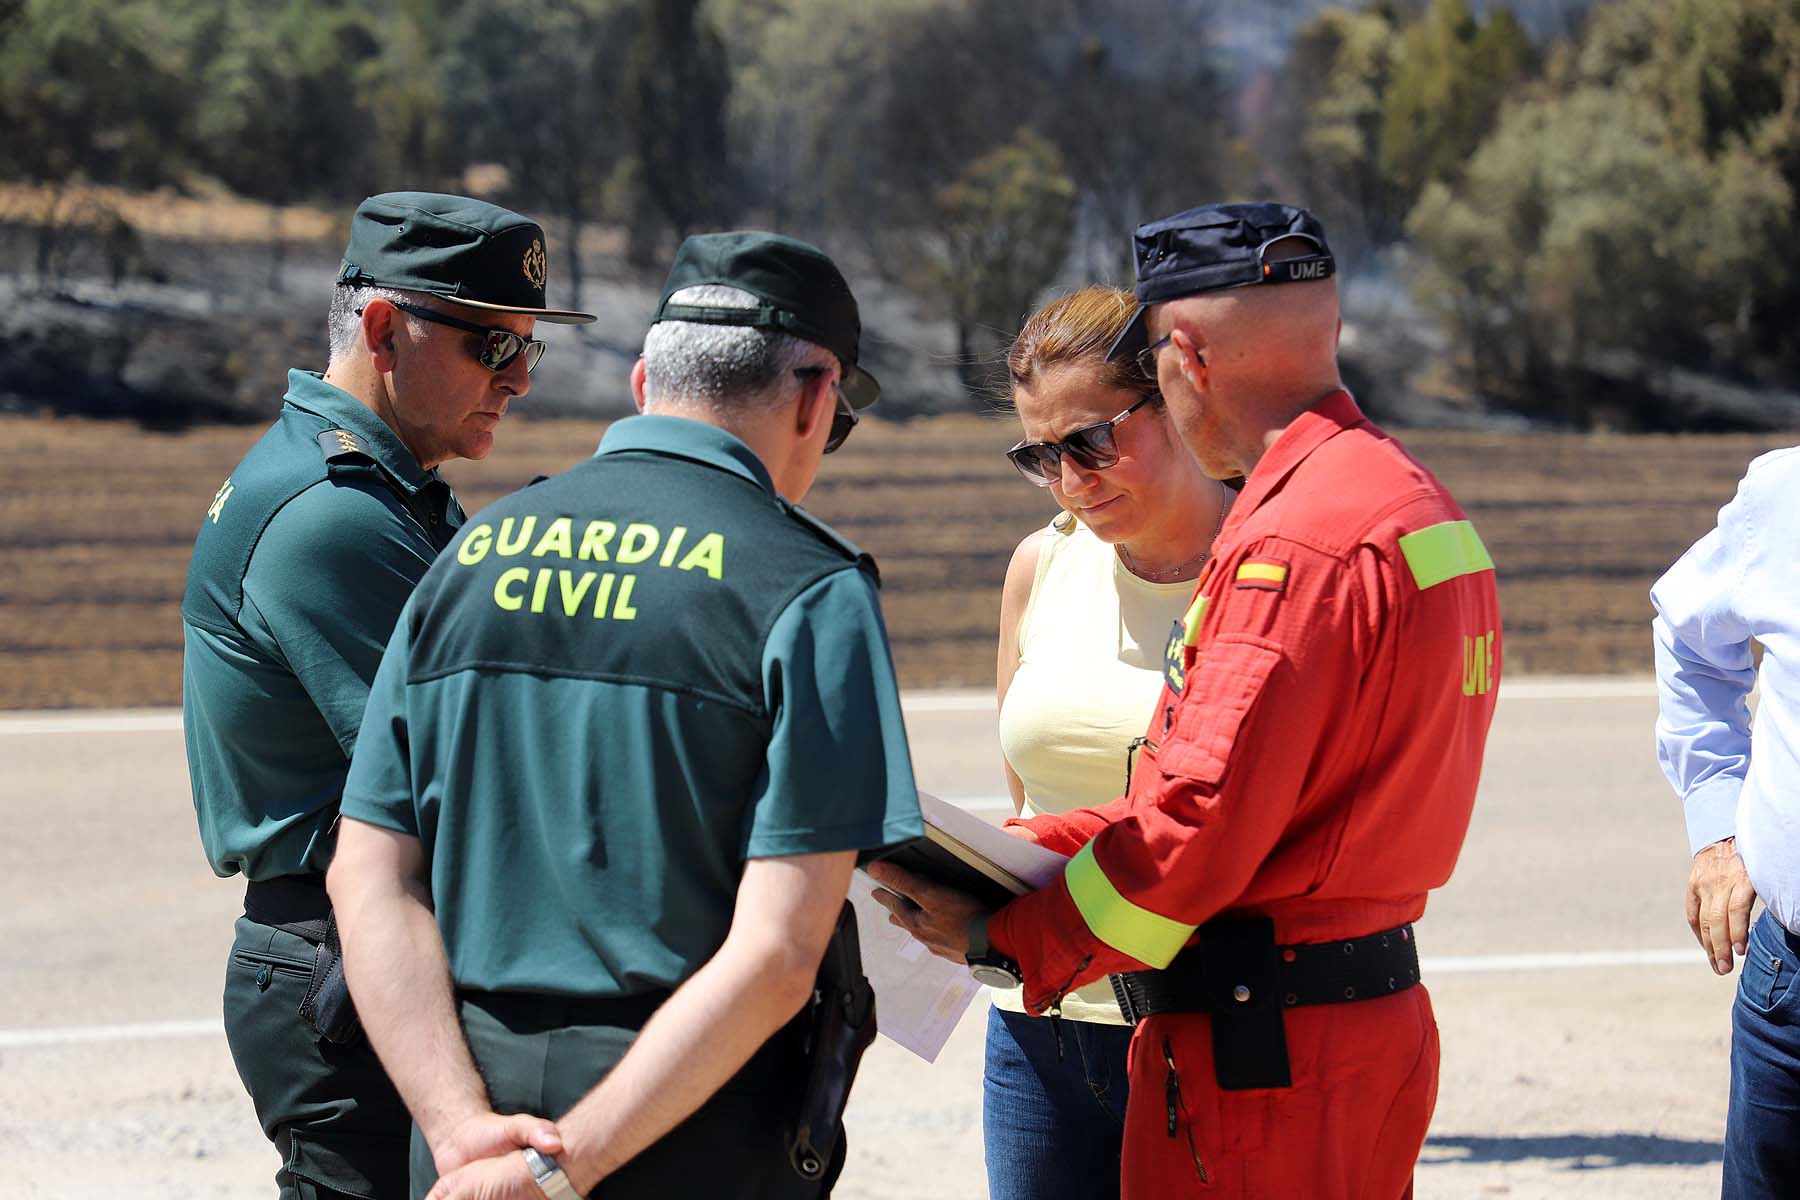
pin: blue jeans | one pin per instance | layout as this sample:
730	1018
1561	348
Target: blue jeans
1053	1129
1762	1125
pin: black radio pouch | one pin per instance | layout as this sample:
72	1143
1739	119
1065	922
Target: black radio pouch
327	1007
1242	972
839	1025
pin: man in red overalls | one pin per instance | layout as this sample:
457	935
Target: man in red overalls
1308	773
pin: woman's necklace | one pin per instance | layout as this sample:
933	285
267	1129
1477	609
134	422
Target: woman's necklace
1182	570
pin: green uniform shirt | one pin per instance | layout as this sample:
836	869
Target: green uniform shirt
617	686
300	569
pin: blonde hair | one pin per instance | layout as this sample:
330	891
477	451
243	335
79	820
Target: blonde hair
1078	329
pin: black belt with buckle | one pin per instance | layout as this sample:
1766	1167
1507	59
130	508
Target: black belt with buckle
1237	973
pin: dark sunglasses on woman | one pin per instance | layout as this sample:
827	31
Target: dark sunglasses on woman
1094	447
498	346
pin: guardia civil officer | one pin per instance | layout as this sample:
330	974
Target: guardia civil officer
300	568
629	737
1307	774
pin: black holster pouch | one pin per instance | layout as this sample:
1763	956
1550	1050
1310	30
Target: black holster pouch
1249	1033
327	1007
839	1025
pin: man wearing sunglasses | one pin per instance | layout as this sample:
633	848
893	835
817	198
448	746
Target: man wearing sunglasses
1309	769
627	742
303	561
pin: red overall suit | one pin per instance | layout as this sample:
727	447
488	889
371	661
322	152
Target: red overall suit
1313	759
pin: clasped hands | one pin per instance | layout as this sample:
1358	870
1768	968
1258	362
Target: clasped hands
480	1158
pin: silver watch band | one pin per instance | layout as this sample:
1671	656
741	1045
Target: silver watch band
549	1175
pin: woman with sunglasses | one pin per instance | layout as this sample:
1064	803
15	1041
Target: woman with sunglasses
1084	616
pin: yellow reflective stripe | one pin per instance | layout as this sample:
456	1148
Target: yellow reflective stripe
1118	922
1271	572
1190	624
1440	553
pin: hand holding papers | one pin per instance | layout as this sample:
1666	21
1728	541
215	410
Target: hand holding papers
919	997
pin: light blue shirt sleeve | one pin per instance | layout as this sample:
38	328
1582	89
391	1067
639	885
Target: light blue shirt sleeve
1704	671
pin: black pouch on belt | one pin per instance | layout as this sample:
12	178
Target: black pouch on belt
327	1007
1241	973
840	1024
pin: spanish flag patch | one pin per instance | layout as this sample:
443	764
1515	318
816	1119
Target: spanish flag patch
1263	574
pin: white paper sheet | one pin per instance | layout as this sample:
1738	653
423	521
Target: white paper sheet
920	997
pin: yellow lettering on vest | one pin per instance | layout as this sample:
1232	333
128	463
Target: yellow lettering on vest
1478	664
543	589
603	594
708	554
224	494
638	543
475	545
674	545
509	547
622	610
502	597
593	542
572	596
556	540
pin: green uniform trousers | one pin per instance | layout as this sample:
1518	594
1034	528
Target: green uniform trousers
338	1123
540	1055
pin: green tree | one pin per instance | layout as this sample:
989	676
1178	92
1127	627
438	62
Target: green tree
1585	243
676	90
280	120
1325	135
1450	75
1002	232
91	91
534	89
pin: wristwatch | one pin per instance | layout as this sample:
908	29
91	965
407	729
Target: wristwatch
987	966
549	1175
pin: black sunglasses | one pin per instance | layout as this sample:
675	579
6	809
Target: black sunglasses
843	418
1093	446
498	346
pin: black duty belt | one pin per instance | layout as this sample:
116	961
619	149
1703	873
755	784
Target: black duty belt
1238	974
533	1012
297	904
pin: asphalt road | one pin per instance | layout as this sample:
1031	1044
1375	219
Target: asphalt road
1585	1041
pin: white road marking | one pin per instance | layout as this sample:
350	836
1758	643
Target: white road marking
1579	960
143	720
142	1031
150	1031
939	700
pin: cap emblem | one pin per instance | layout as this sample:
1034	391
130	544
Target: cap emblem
534	264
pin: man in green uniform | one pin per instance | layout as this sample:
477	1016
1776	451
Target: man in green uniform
301	566
630	736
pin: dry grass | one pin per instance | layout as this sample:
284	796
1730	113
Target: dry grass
98	519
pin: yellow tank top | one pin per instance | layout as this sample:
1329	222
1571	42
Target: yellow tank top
1090	669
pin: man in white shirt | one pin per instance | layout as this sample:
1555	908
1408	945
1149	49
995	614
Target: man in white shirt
1738	584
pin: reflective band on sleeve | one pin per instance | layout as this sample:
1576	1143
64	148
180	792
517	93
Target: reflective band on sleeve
1190	624
1118	922
1440	553
1268	572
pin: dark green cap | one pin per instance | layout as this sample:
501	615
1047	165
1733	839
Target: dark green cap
801	290
465	250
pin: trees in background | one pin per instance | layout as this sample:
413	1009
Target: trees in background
1579	213
1631	213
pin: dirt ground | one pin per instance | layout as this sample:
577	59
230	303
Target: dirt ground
97	520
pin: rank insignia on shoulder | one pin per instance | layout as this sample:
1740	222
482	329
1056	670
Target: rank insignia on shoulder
336	443
1262	574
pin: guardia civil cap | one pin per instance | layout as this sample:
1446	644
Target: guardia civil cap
454	247
800	289
1218	246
